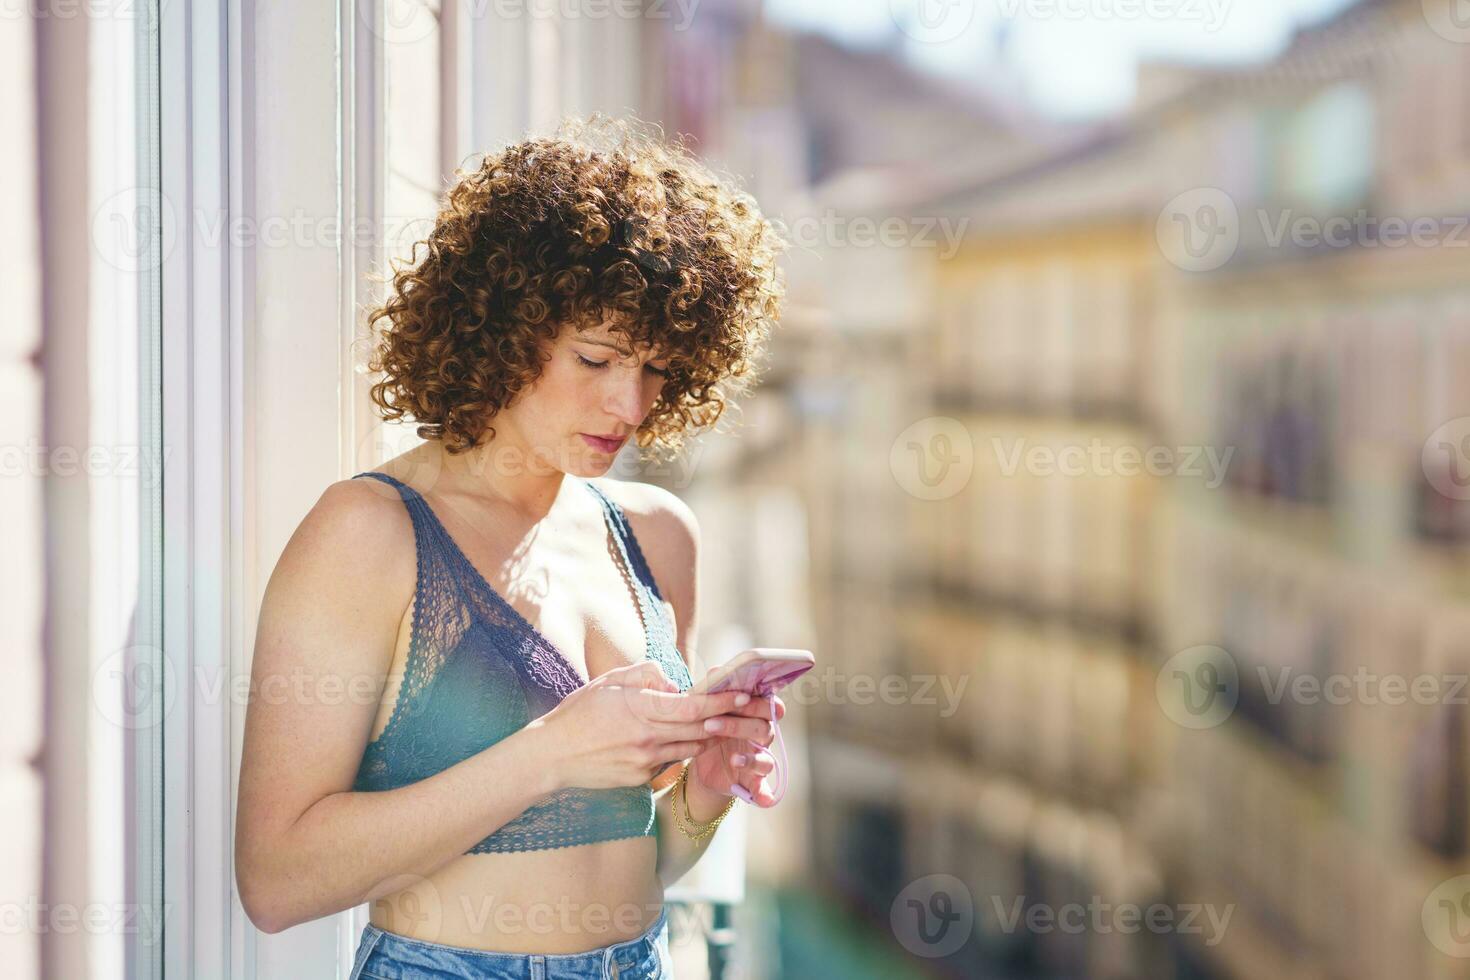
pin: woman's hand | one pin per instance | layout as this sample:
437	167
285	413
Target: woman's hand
626	725
736	751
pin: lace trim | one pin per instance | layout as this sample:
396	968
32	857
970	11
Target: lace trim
656	623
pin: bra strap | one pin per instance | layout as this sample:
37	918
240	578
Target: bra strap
412	499
650	601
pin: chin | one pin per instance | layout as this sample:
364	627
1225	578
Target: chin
583	460
586	464
588	470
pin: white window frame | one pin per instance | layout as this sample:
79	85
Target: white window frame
201	331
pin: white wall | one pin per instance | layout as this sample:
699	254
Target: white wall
20	494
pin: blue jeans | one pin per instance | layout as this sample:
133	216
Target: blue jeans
388	956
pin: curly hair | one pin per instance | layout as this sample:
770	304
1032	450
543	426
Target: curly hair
598	223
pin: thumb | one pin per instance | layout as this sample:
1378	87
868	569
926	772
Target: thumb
649	691
642	675
655	679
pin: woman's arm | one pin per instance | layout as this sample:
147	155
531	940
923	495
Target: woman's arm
676	852
306	845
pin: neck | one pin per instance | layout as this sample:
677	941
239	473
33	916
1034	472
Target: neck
504	473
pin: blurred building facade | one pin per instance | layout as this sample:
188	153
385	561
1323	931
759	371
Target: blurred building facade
1262	491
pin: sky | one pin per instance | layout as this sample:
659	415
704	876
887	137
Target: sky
1077	58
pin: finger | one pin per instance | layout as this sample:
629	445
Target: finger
666	706
726	702
735	726
680	731
770	704
679	751
755	784
641	675
654	678
761	708
762	763
697	707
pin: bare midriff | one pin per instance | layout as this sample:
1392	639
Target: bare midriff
559	900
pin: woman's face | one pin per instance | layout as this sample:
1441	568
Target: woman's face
591	386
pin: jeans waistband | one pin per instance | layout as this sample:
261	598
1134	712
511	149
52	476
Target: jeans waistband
599	962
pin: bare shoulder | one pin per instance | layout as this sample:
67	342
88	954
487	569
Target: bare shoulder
365	518
352	550
660	518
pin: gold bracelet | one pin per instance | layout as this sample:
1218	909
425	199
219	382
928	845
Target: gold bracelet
686	823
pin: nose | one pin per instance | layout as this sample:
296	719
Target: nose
626	398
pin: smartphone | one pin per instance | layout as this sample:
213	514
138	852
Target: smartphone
758	671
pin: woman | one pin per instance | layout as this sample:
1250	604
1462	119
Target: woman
478	650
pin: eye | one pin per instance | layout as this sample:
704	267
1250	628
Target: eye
598	365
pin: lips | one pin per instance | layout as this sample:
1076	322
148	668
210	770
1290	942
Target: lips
606	444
